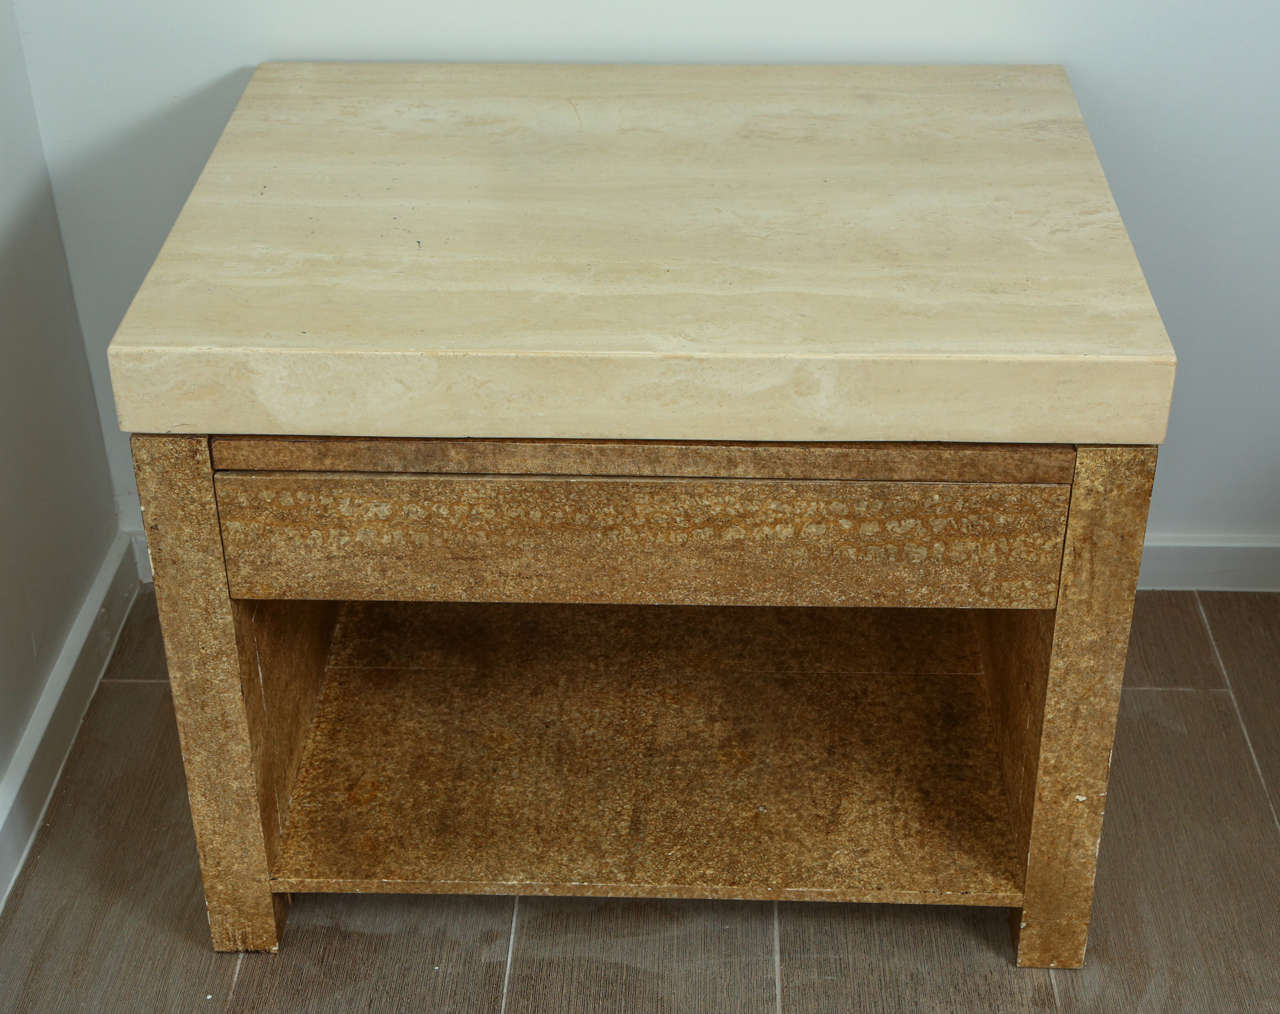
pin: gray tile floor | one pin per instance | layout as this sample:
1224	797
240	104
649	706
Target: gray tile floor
107	915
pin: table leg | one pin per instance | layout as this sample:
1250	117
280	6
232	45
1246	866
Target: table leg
208	645
1090	637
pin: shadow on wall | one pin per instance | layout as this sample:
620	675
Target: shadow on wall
56	516
118	202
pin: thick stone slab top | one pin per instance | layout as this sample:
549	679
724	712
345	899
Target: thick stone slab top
706	253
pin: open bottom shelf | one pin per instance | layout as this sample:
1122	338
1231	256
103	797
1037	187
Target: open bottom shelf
834	754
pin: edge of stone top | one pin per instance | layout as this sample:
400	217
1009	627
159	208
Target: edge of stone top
644	398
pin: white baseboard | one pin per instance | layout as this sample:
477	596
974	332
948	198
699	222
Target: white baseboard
1211	563
33	772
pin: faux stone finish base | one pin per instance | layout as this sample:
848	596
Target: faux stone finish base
832	754
685	714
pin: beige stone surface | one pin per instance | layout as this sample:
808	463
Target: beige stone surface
780	253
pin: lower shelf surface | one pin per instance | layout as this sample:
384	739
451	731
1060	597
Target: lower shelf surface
833	754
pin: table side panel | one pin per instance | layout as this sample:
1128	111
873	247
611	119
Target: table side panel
208	656
284	650
677	541
903	462
1100	564
1016	646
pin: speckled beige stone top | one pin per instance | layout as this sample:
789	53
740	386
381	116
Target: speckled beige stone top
763	253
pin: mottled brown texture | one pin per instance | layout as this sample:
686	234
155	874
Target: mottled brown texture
726	541
579	772
468	636
204	650
882	462
1015	662
1169	645
286	646
525	746
1103	550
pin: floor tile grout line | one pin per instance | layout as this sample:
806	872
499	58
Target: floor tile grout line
1235	704
777	961
235	977
511	946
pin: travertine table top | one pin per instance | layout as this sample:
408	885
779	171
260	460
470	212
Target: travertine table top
756	253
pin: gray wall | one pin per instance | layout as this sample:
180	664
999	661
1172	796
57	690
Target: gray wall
1181	95
57	518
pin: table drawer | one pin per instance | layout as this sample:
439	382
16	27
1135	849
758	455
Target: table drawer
597	539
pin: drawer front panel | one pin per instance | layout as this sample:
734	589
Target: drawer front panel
624	540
